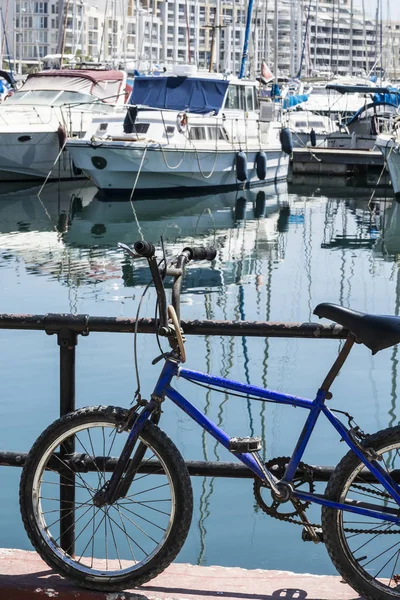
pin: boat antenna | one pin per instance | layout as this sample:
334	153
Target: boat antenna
246	39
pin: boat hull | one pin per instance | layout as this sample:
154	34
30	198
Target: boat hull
35	158
390	149
155	169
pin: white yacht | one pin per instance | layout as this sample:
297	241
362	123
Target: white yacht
51	105
310	129
203	131
389	145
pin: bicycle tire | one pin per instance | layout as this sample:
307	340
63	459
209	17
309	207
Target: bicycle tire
374	577
103	572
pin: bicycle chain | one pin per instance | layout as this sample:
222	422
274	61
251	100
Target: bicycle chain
282	517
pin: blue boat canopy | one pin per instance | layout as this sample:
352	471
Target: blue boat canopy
354	89
391	96
291	101
192	94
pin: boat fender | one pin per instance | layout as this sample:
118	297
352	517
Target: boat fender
240	209
259	209
62	224
261	165
285	137
313	138
182	122
62	135
241	166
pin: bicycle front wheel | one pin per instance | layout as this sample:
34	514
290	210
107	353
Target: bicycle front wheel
365	551
116	546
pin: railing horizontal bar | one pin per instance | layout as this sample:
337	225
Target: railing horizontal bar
53	323
197	468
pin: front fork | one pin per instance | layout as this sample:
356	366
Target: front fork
121	479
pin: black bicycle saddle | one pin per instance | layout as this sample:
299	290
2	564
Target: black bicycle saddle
377	332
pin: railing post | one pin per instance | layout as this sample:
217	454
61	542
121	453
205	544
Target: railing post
67	340
67	328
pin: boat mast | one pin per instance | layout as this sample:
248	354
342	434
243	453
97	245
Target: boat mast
351	39
246	38
365	38
276	40
316	36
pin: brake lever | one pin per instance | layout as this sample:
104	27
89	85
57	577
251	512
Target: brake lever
127	249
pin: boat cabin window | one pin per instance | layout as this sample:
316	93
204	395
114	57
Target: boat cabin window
241	97
249	98
141	127
256	102
75	98
197	133
216	133
53	98
232	99
37	97
169	130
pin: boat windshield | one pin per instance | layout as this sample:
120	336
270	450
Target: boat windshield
53	98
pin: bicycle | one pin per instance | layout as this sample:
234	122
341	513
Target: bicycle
143	499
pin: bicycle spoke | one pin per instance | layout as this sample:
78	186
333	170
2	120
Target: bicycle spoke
140	529
381	554
140	517
113	537
87	525
145	505
156	487
126	534
131	538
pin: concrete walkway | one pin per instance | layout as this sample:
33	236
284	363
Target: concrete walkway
23	576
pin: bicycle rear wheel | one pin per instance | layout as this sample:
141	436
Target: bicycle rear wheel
116	546
365	551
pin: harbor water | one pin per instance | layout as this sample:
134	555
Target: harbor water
281	251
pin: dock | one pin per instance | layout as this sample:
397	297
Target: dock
335	161
24	576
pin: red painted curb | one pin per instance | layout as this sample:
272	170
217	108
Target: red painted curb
24	576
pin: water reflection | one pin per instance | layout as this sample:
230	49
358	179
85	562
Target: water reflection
66	230
280	252
388	243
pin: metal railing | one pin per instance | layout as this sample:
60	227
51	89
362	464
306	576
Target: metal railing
68	327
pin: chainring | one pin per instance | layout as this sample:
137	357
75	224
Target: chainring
303	479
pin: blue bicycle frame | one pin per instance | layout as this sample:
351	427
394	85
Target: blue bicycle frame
317	406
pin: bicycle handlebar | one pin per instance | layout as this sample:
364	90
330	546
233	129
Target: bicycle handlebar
147	250
200	253
144	249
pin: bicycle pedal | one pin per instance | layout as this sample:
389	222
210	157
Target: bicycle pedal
307	537
245	444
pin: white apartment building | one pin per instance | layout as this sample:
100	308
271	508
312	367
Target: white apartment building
321	36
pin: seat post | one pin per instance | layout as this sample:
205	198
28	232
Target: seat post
337	365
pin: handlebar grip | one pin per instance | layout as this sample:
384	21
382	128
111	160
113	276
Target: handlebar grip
144	249
201	253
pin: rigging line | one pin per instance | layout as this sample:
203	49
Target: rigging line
54	164
182	159
132	193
